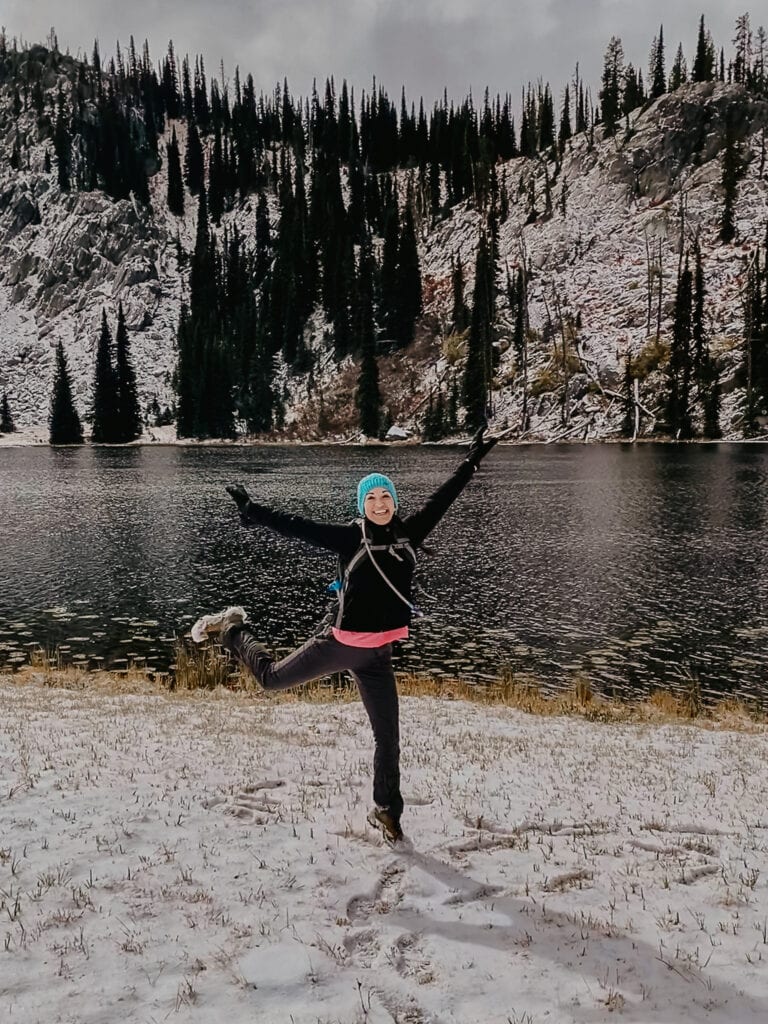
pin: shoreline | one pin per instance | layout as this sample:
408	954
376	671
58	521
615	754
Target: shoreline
25	439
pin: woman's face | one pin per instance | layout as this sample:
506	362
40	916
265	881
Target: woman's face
379	507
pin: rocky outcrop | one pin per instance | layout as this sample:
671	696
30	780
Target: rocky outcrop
682	132
18	210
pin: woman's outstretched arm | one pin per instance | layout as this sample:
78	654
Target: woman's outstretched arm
338	537
421	523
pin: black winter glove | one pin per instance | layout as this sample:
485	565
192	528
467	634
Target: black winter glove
239	495
479	448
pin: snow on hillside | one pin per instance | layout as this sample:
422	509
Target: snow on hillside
609	199
64	257
206	858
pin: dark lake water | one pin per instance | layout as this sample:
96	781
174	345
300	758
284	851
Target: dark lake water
637	565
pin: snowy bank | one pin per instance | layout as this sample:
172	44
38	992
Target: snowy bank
205	857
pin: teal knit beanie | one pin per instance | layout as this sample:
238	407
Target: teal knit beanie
368	483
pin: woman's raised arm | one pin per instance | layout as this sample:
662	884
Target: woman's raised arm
421	523
339	537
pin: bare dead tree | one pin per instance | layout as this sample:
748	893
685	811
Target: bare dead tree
660	277
648	282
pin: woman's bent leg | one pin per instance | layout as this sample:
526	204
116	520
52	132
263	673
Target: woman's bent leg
319	656
375	680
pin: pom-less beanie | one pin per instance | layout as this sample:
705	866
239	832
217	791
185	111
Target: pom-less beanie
368	483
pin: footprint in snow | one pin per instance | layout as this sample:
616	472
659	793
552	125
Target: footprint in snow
250	803
385	896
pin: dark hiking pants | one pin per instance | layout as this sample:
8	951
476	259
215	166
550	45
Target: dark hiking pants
371	669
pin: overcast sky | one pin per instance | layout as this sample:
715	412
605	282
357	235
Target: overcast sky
426	45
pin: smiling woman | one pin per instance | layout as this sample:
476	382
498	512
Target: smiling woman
377	558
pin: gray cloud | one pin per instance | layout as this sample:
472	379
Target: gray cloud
426	45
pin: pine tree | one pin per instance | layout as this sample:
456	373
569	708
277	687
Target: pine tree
128	415
343	290
679	74
7	426
452	413
218	405
428	432
610	94
388	297
581	105
408	278
105	402
260	398
519	303
460	313
263	241
202	279
477	374
175	182
64	423
187	376
628	422
710	390
742	65
656	66
753	373
633	90
200	96
435	423
704	62
62	147
368	394
759	71
565	132
194	161
216	180
546	119
680	370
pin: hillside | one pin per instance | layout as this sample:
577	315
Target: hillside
598	231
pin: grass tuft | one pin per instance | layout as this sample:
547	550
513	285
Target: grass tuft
202	668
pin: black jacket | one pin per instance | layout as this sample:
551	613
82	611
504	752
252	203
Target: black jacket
367	604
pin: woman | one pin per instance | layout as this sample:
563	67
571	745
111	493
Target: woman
377	556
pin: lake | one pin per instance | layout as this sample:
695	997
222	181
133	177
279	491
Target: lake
635	565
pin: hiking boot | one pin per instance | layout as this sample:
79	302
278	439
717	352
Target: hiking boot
381	818
213	625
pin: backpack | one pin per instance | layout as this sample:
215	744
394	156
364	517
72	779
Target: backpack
366	549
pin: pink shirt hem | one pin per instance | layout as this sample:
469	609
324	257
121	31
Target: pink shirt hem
352	639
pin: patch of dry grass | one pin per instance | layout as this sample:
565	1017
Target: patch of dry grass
207	668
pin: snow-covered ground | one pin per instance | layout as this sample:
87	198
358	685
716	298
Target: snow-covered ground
206	858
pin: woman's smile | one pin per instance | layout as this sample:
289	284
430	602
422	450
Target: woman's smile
379	506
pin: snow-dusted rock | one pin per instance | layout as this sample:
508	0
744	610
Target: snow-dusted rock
396	433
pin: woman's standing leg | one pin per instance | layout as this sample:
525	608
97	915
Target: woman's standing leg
371	668
375	680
